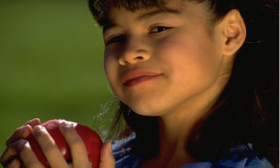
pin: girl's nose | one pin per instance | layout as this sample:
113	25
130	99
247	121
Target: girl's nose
133	53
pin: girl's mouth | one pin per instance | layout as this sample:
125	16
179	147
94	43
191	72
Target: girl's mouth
132	78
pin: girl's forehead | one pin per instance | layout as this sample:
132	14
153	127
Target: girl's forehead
175	6
139	6
101	9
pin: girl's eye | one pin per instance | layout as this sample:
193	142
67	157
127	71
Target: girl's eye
159	29
116	39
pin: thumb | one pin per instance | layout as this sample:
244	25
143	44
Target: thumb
107	159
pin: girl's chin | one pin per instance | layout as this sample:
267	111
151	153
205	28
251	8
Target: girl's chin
148	112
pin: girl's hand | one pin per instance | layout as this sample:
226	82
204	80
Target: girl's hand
21	147
52	152
14	143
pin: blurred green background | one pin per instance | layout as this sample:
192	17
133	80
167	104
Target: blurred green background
51	63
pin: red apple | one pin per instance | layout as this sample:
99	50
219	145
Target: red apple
91	139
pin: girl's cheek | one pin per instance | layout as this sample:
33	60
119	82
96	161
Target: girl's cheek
107	62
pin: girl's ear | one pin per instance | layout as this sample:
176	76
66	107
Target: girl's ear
234	31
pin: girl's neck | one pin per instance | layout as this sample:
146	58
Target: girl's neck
174	132
176	126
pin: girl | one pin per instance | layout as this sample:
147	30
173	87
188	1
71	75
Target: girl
195	87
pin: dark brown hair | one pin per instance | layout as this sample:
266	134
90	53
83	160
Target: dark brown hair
247	110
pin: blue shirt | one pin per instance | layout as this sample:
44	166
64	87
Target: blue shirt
242	156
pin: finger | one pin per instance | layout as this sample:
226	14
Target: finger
70	165
20	133
76	144
10	153
33	122
23	131
14	164
49	147
107	159
27	156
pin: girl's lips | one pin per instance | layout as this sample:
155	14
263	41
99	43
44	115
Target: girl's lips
135	77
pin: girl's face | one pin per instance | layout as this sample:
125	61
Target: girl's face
161	61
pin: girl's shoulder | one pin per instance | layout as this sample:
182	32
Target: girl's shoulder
242	156
122	150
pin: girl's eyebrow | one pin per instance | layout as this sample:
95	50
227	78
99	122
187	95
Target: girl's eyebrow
108	26
157	13
148	15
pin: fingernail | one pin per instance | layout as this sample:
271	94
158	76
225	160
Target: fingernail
110	146
13	163
37	130
66	125
23	130
37	121
21	144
